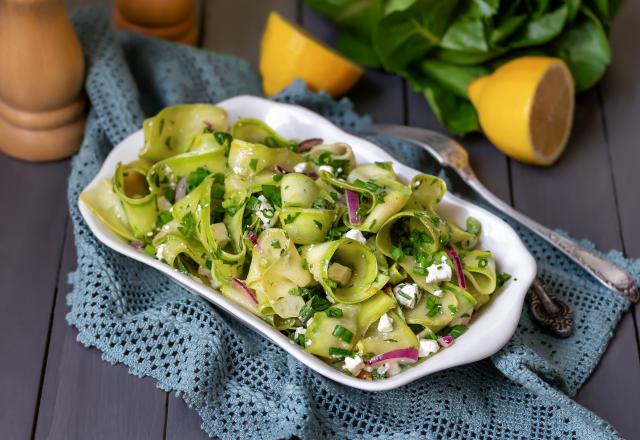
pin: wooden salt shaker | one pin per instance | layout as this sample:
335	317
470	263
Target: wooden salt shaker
42	105
173	20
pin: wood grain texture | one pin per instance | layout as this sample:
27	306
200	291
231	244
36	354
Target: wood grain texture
84	397
577	195
32	224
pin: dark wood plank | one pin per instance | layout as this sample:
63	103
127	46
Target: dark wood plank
33	218
235	27
183	422
620	95
577	195
84	397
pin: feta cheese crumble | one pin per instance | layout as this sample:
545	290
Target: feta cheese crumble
300	167
385	325
437	293
327	168
299	331
438	273
354	364
356	235
389	368
427	347
407	294
160	251
265	212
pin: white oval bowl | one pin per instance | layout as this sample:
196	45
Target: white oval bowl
488	331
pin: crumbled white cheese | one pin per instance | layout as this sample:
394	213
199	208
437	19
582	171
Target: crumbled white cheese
263	207
354	364
160	251
327	168
307	342
443	258
407	294
356	235
299	331
437	293
391	368
385	325
427	346
237	170
300	167
438	273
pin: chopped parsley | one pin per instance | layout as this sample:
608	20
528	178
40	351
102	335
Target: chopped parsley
482	261
290	218
150	250
331	283
276	244
277	177
384	165
187	225
340	353
334	312
222	137
271	193
378	376
195	178
336	233
169	193
452	309
253	164
433	307
318	224
502	278
163	218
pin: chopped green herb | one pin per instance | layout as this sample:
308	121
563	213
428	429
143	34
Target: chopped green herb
196	177
384	165
321	203
334	195
331	283
187	225
343	333
433	307
318	224
253	164
252	201
314	304
169	193
150	250
276	244
339	353
181	268
378	376
336	233
222	137
277	177
502	278
334	312
167	143
457	330
163	218
272	194
290	218
300	340
452	309
396	253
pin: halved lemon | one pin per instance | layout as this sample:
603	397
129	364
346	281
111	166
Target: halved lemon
526	107
288	52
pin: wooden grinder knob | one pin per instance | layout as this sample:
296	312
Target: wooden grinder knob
173	20
42	106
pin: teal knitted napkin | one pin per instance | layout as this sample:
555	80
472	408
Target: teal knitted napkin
240	384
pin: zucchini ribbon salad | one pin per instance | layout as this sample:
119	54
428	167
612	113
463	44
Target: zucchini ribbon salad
350	263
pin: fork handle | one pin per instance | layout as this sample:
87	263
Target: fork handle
603	270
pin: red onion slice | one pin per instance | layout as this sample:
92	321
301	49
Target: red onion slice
308	144
446	341
208	124
407	355
451	252
254	239
281	170
242	286
181	188
353	203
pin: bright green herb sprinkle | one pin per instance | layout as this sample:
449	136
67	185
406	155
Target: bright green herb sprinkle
343	333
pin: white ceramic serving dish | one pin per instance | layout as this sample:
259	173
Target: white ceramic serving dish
490	329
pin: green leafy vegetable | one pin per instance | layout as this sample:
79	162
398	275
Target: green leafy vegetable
440	46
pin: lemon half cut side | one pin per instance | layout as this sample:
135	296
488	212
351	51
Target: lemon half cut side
525	108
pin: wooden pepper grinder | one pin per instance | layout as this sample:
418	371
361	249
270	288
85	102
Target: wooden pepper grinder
173	20
42	105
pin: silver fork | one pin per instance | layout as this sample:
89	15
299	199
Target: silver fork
451	154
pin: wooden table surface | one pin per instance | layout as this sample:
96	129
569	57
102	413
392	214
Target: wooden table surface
53	387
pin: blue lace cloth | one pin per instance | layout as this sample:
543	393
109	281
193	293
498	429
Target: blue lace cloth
243	386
